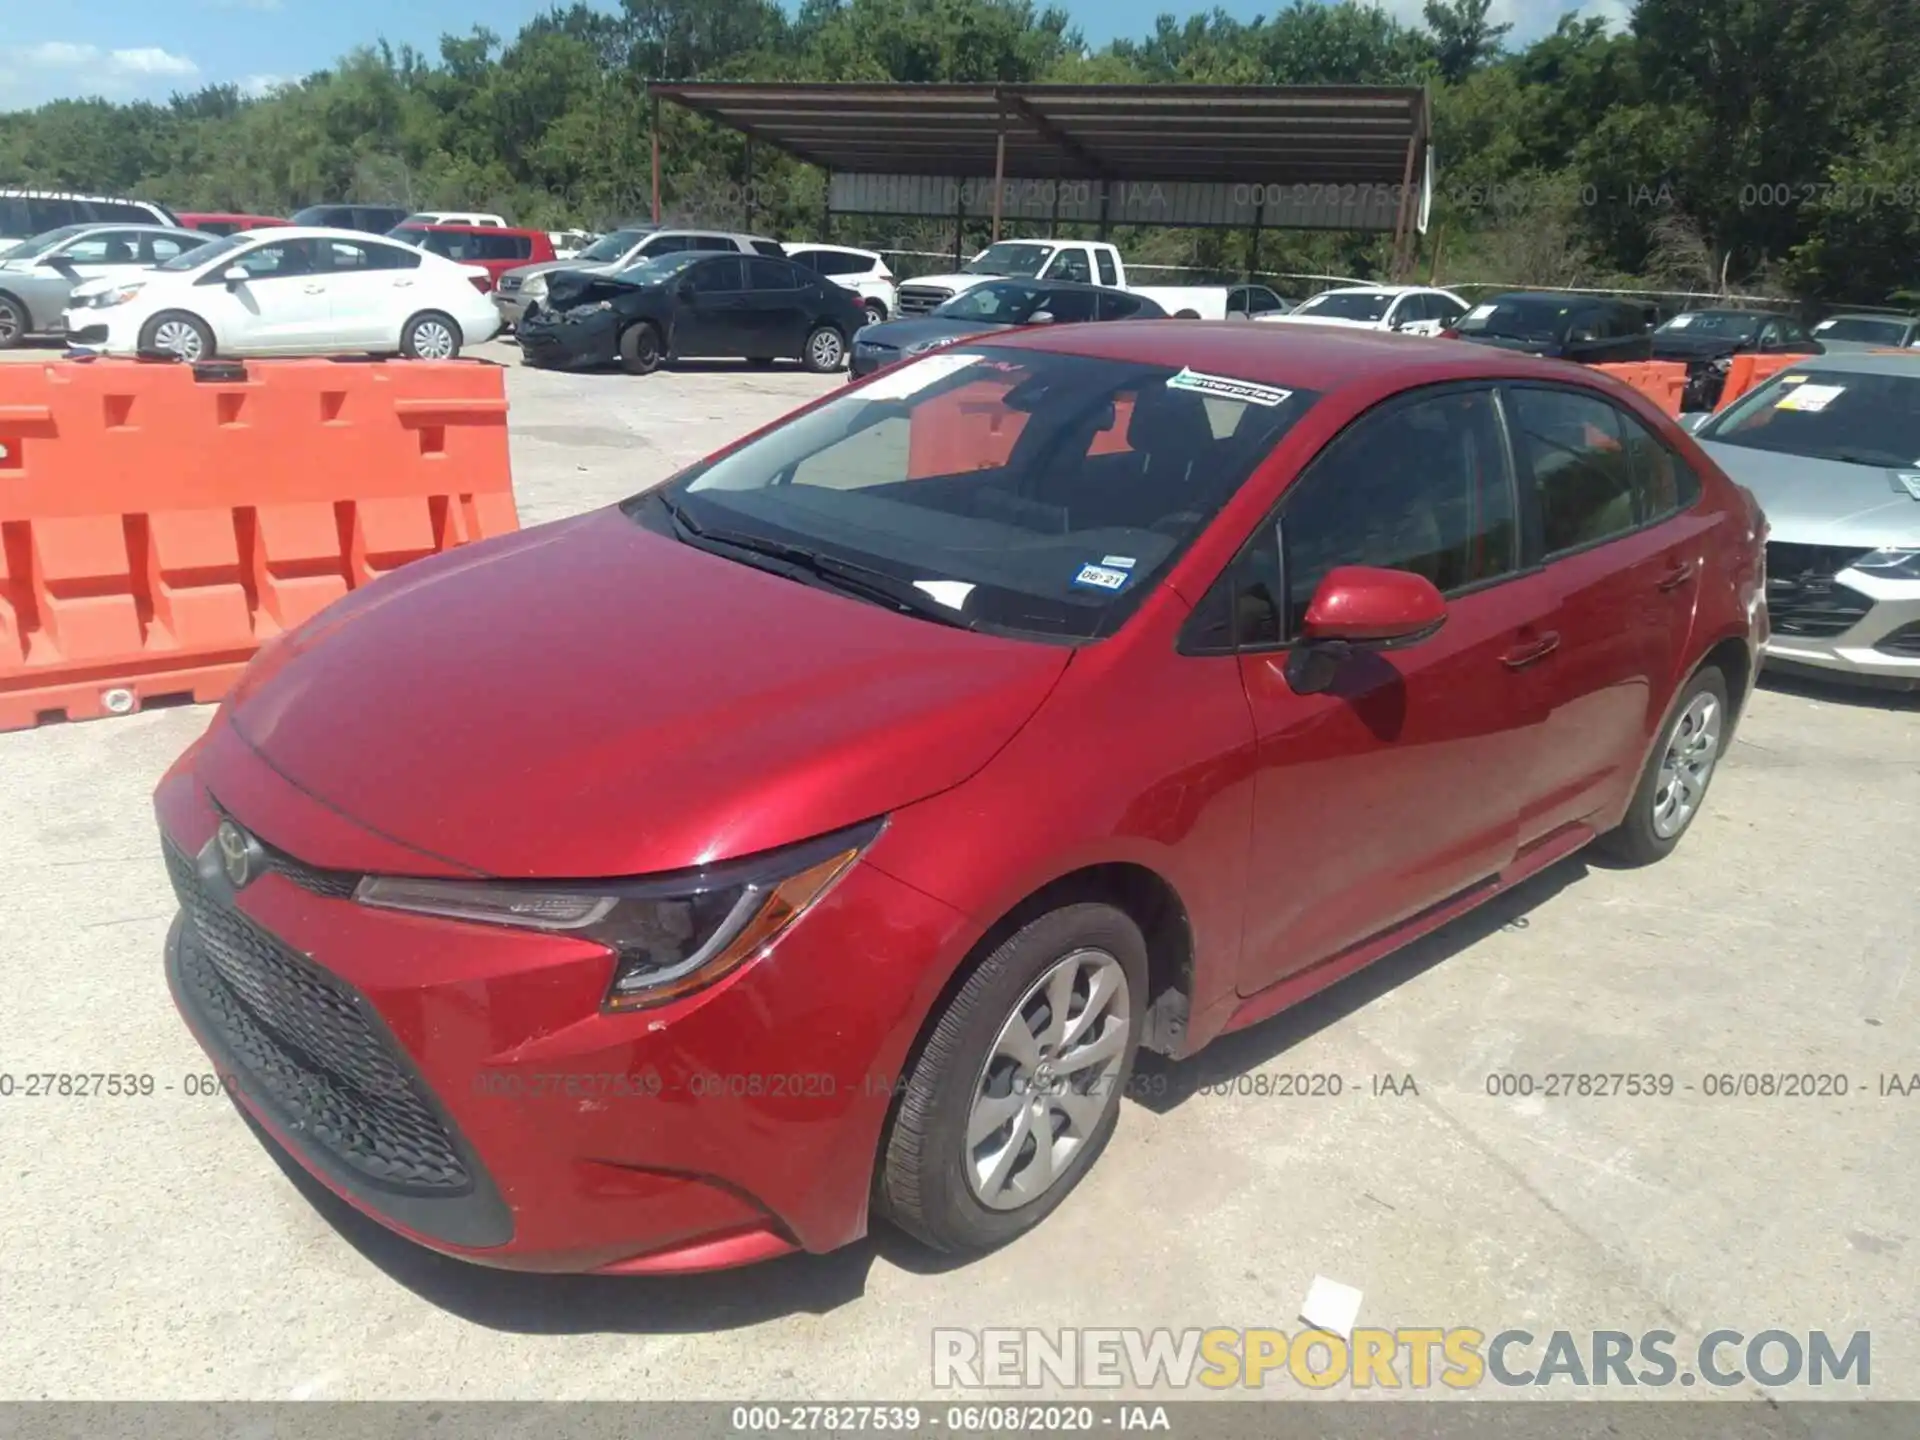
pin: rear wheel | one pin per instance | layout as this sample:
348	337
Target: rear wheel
430	336
825	350
640	349
174	332
1018	1087
876	312
1674	784
13	322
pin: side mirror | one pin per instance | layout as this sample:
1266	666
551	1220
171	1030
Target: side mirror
1040	317
1360	607
236	275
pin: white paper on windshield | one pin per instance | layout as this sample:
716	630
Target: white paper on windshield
1910	479
1479	312
1823	325
1680	322
915	376
951	593
1225	387
1793	379
1810	397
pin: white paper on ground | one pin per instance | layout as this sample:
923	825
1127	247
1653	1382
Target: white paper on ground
1331	1306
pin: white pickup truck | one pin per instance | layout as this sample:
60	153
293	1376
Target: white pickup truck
1091	261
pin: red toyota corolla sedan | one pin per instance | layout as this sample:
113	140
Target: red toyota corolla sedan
822	833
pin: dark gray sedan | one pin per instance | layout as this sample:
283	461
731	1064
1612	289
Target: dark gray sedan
998	305
39	274
1831	449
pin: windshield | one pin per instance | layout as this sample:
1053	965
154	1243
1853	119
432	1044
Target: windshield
1026	491
613	246
43	242
1524	317
1857	417
1863	330
1348	305
649	269
1010	257
200	254
1714	325
1006	302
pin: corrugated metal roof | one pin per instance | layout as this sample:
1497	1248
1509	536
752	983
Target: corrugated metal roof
1128	134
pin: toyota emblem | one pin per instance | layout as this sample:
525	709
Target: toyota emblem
236	853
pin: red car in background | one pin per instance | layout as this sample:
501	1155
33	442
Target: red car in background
822	833
495	249
226	223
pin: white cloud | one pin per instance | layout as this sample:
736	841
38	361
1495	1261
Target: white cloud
57	69
255	86
150	60
143	62
1530	19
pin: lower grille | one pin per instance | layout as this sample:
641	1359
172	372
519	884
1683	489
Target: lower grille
1803	598
919	299
1904	642
309	1048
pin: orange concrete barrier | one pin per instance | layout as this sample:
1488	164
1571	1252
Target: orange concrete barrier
158	525
1747	371
1661	381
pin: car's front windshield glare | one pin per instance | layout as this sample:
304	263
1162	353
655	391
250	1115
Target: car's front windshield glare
612	247
1368	305
1009	304
1707	324
38	245
1858	417
1031	492
649	268
1518	319
200	254
1010	257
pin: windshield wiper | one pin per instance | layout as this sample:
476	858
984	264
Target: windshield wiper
1881	459
861	581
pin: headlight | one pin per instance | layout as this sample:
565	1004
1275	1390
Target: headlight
119	295
668	936
534	285
1896	562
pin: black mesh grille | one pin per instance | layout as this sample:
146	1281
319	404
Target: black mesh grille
1904	642
307	1046
335	884
1803	598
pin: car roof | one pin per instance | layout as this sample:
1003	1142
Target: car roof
30	194
1869	315
1320	358
456	228
310	232
1862	362
138	226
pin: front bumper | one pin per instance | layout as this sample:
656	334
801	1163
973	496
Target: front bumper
864	360
1857	623
461	1084
95	330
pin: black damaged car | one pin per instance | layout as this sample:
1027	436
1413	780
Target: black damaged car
693	305
1705	341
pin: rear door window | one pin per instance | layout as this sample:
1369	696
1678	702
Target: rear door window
1069	306
45	215
1573	453
1109	273
1071	265
714	276
765	274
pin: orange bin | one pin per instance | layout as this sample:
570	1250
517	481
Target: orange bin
1747	371
158	524
1661	381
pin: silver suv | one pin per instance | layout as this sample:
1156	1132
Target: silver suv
523	290
37	275
34	212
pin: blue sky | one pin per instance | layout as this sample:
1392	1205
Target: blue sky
131	49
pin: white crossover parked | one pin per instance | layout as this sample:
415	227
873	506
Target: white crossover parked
1410	309
292	291
864	272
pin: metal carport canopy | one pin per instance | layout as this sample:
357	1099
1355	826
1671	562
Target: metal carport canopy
1321	156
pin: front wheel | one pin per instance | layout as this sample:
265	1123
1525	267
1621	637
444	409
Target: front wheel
431	336
1674	783
876	312
174	332
825	350
1017	1089
13	322
640	349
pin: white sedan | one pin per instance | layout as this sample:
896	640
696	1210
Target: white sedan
291	291
1410	309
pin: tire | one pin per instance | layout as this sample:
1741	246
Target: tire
178	333
961	1197
13	322
430	335
1658	816
1187	315
825	350
640	349
876	312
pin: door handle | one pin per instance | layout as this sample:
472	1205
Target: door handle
401	284
1676	577
1533	651
315	289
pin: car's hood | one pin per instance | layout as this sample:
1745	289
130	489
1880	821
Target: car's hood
589	698
1680	345
1853	347
1823	502
954	281
524	273
1322	320
900	334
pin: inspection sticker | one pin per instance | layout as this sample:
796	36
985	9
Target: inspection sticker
1810	397
1479	312
1224	387
1100	577
1118	562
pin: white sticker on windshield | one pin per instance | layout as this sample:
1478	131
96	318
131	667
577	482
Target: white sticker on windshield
1680	322
1810	397
1793	379
1824	325
1225	387
951	593
1118	562
915	376
1479	312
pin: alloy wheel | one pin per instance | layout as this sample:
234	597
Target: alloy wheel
1048	1080
825	349
180	338
1692	751
432	340
10	323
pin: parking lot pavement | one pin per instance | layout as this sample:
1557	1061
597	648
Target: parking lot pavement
150	1247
